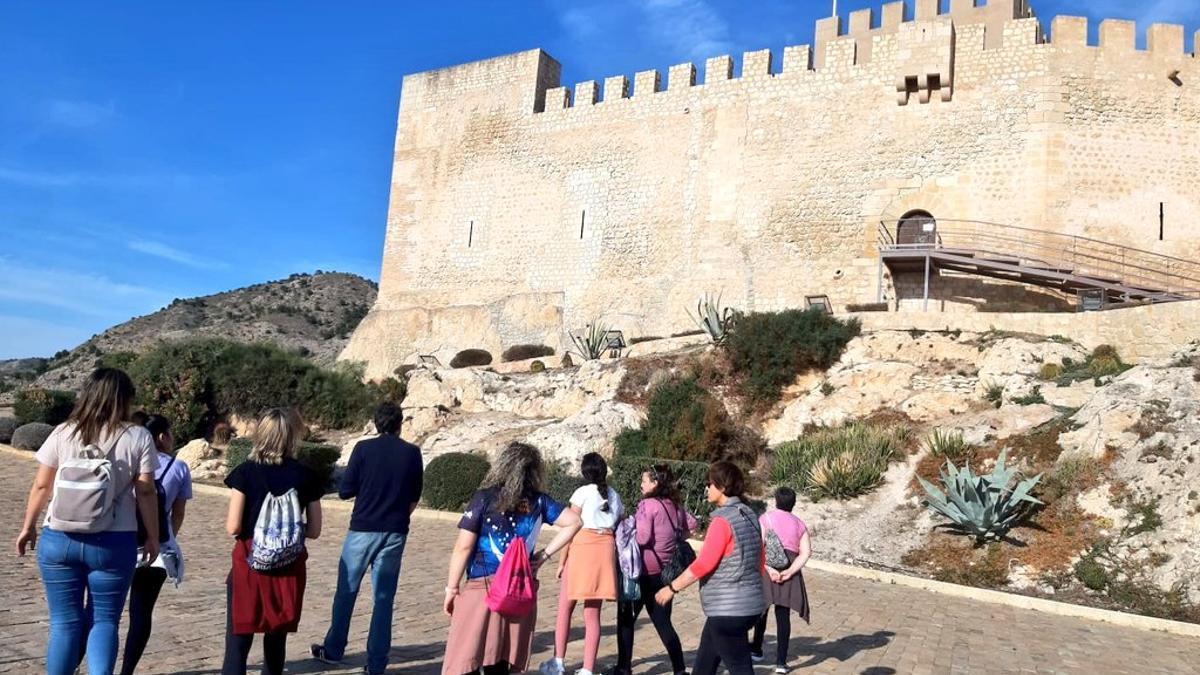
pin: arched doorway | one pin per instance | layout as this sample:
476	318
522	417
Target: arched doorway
916	228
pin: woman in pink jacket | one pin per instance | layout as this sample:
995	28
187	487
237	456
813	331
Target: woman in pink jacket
659	515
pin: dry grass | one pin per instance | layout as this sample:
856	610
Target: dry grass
954	559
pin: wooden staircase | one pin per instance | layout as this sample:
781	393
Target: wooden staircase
1116	275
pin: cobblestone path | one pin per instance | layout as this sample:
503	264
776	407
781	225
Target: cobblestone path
861	627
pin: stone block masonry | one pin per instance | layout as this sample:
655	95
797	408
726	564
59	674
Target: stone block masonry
519	211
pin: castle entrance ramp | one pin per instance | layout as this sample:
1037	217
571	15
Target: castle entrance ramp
1104	275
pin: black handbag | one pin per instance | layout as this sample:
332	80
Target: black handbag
681	559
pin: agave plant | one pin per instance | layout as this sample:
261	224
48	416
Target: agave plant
986	506
592	341
712	318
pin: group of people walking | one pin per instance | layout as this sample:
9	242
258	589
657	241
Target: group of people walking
115	499
746	565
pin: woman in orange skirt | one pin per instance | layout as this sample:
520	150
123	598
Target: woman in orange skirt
589	570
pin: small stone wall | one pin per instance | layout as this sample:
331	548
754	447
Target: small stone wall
1138	333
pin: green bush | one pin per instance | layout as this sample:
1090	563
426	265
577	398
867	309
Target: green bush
316	456
1103	361
196	382
1090	571
625	476
48	406
452	478
237	452
1050	371
1034	397
537	367
683	423
525	352
839	462
31	436
7	426
562	481
949	445
468	358
769	349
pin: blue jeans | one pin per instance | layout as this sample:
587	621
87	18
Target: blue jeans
102	564
381	551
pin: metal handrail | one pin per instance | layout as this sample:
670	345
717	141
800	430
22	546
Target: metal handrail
1084	256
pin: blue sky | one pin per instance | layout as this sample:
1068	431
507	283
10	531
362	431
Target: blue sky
160	150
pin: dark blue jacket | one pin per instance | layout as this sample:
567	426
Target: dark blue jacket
385	477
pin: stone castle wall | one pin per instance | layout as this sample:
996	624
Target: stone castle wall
521	210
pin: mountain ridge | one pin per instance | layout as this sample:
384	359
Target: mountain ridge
313	314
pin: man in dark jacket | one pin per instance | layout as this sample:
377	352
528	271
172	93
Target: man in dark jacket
384	477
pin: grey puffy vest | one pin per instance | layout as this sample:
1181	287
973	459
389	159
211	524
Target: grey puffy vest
735	588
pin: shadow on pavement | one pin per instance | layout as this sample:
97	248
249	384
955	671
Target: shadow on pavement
843	649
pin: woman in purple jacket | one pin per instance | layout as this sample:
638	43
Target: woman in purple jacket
659	515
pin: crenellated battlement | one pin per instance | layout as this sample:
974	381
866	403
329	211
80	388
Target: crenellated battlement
522	209
839	45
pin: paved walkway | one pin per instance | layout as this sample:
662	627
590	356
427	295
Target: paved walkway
860	627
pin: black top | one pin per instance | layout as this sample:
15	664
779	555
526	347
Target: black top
384	477
254	480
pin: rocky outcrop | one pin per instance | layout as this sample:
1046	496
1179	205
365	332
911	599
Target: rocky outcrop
566	412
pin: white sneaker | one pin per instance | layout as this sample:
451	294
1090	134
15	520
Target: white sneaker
782	670
551	667
583	671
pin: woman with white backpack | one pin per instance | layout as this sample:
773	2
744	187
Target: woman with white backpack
96	471
274	506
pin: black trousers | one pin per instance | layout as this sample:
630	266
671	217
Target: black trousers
237	647
783	633
725	639
143	593
627	614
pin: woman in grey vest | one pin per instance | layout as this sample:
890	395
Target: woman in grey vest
729	568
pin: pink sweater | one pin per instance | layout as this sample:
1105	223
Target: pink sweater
655	534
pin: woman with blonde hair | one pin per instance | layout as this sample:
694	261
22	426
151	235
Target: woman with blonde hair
99	468
510	504
265	588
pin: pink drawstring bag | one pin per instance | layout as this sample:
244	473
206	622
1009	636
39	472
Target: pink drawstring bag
513	593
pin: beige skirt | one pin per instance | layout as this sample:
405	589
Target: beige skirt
479	637
591	567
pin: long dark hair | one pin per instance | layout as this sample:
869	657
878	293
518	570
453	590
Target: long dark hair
104	403
595	471
664	484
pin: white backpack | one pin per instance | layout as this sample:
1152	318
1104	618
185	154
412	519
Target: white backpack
278	537
85	492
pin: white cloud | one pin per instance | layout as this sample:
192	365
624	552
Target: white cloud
674	29
79	114
689	28
160	250
80	293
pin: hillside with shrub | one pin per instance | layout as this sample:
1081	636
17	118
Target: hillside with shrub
1011	461
310	314
198	382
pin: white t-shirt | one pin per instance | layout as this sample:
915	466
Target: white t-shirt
590	503
133	454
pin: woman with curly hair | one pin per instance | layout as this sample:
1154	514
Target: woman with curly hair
510	504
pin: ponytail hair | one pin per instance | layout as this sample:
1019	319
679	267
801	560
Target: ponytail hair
595	472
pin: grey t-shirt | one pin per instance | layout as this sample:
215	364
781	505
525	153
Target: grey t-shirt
133	454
